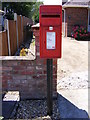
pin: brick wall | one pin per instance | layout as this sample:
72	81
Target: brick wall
76	16
28	77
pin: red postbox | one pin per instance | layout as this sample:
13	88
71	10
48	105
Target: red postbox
50	17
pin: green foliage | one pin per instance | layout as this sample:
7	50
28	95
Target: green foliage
35	11
28	9
21	8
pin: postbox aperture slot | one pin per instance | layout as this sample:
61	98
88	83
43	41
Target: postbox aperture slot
51	16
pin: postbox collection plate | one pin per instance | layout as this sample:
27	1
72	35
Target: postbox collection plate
50	40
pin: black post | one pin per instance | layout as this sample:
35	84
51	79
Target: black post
49	86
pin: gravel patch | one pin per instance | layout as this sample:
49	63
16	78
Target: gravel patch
34	109
77	80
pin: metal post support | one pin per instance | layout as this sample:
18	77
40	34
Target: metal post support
49	86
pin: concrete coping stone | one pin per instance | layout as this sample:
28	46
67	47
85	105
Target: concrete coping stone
36	26
17	58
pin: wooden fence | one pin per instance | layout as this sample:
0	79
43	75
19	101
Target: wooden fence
15	34
19	30
3	43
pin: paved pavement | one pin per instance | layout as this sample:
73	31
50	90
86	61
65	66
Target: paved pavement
74	57
73	91
73	103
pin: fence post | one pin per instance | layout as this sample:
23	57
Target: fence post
9	48
15	19
21	27
24	20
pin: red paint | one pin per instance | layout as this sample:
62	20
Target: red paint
50	16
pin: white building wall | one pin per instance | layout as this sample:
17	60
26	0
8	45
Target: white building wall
52	2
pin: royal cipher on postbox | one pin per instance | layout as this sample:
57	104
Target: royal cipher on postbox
50	18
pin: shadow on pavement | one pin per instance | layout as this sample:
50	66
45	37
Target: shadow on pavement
69	111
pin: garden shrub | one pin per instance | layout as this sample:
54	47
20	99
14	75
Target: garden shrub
80	33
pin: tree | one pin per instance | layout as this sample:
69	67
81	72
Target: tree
21	8
28	9
35	11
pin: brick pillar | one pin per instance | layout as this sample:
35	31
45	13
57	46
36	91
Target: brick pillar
44	61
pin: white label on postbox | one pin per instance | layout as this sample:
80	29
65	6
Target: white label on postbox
50	42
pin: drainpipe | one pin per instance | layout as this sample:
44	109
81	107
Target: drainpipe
88	21
64	21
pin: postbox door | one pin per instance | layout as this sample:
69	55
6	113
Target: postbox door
51	45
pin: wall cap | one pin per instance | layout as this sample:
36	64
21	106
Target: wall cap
36	26
17	58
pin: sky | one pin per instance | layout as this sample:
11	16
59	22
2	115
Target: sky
52	2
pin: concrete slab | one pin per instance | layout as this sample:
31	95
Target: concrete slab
9	101
73	103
